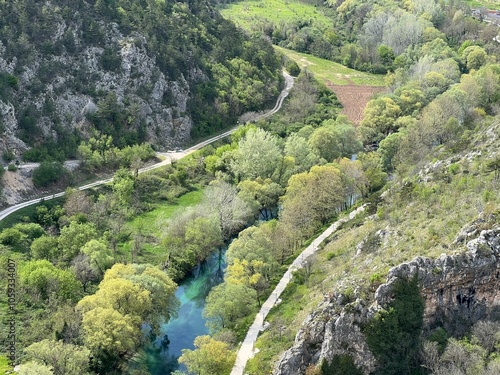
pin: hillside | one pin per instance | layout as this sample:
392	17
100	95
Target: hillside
407	286
141	71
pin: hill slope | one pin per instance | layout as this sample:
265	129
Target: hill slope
156	71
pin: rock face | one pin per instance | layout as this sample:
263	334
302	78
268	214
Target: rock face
458	290
137	81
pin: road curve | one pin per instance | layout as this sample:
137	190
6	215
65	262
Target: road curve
246	350
168	156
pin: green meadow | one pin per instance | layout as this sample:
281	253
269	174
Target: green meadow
152	224
247	14
328	71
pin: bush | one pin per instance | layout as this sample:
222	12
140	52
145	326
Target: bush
48	173
341	364
12	167
292	68
393	335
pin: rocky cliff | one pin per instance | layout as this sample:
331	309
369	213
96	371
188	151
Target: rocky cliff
139	70
458	290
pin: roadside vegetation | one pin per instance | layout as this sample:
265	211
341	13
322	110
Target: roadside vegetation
94	270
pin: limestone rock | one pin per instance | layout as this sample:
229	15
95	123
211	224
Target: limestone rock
458	290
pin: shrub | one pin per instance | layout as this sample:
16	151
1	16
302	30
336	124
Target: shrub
8	156
48	173
393	335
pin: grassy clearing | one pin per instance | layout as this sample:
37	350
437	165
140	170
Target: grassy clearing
329	72
250	14
151	226
153	222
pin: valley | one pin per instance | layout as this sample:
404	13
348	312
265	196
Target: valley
347	225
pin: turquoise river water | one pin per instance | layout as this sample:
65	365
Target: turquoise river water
179	333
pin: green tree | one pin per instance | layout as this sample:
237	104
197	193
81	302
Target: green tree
15	239
121	295
47	173
303	156
210	357
313	197
226	304
123	186
73	237
41	279
325	143
380	119
110	336
388	148
393	335
100	256
34	368
258	155
340	365
222	200
45	247
263	193
203	235
474	57
372	167
64	359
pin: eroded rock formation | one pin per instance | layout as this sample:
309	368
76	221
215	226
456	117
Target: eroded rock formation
458	290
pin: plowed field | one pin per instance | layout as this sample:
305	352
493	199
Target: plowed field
354	99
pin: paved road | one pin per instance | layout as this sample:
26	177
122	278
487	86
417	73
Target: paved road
167	156
247	347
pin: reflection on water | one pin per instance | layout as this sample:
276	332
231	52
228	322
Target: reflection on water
161	355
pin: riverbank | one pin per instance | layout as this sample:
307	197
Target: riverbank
246	350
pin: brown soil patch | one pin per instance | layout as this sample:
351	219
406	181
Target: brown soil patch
17	186
354	98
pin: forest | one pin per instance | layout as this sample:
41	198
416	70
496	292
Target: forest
96	272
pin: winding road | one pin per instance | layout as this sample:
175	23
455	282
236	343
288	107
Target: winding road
167	156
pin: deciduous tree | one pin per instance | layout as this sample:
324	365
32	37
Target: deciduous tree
210	357
64	359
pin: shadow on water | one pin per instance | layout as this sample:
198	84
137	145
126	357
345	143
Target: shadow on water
160	356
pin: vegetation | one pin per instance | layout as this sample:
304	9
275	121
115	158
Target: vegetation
181	38
329	71
394	334
340	364
87	290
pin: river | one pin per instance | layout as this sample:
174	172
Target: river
179	333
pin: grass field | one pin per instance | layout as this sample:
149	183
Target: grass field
247	14
488	4
153	223
329	72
